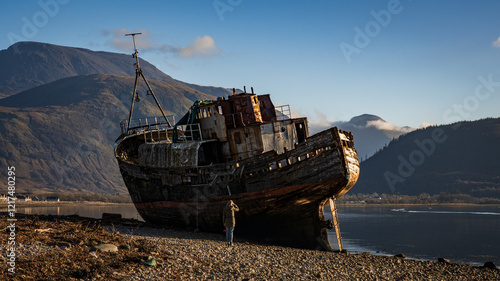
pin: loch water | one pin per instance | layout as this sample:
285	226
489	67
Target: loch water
464	234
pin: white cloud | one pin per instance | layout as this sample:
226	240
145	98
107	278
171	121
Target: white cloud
201	47
322	124
386	126
124	43
496	43
426	124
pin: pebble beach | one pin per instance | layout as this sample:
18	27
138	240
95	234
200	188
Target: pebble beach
74	248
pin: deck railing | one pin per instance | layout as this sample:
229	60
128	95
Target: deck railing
146	124
189	132
283	112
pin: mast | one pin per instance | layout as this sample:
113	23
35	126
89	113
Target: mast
138	73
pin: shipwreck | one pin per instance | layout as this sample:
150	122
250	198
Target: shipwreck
242	148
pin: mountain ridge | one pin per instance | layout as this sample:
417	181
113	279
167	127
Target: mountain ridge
460	157
32	64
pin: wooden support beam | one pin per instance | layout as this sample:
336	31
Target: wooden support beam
335	218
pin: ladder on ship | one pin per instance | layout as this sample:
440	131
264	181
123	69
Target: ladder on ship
333	209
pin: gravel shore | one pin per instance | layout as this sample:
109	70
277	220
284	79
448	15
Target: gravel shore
56	248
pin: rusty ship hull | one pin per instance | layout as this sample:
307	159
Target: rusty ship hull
281	196
242	148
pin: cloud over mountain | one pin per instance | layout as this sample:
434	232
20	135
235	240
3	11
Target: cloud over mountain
121	42
371	132
359	122
387	126
202	46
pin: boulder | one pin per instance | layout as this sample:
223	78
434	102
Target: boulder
443	260
105	248
490	265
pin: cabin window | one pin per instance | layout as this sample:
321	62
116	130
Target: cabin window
220	110
237	138
209	153
262	104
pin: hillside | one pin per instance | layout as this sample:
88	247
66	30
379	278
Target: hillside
30	64
461	157
60	136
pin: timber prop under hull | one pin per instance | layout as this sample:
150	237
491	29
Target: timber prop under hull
281	197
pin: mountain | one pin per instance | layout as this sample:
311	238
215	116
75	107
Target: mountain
461	157
30	64
60	135
371	133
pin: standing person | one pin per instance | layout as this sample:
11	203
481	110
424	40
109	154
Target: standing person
229	220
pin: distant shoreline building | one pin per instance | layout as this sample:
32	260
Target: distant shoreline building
24	198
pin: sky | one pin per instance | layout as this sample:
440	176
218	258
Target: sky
412	63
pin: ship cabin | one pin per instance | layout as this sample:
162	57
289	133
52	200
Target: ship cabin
246	125
228	129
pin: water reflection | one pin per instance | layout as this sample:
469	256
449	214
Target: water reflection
91	210
467	234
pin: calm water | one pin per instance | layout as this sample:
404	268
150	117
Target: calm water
465	234
91	210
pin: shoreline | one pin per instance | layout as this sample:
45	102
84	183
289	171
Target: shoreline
20	204
62	246
420	204
43	203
